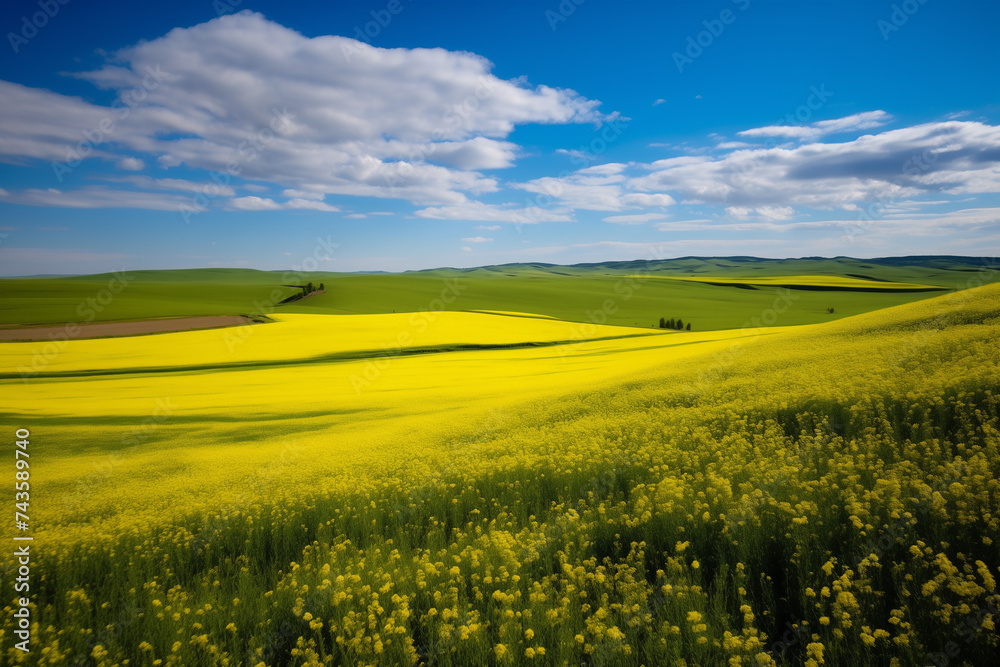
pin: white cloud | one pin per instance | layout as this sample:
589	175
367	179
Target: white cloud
606	169
643	200
598	188
172	184
45	125
487	228
328	115
637	219
302	194
130	164
658	101
855	122
475	210
952	157
885	228
775	212
252	203
98	196
477	239
310	205
683	225
359	216
764	212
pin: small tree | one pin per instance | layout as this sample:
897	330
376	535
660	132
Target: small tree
689	326
309	287
671	323
321	288
663	323
680	324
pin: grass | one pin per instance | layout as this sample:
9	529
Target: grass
603	293
616	500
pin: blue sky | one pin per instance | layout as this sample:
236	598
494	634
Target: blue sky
408	134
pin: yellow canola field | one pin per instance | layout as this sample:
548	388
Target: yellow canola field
804	281
660	500
173	441
299	337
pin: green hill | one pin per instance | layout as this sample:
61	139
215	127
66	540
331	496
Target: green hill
606	291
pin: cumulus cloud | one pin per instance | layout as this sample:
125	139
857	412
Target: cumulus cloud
603	187
859	121
951	157
321	117
329	115
767	185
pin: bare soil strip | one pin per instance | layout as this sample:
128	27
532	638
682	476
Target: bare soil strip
112	329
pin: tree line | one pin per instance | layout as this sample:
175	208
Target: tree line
677	324
308	289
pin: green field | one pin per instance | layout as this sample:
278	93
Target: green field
517	485
621	293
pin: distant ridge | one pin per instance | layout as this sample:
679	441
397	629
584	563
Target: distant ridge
675	264
908	260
